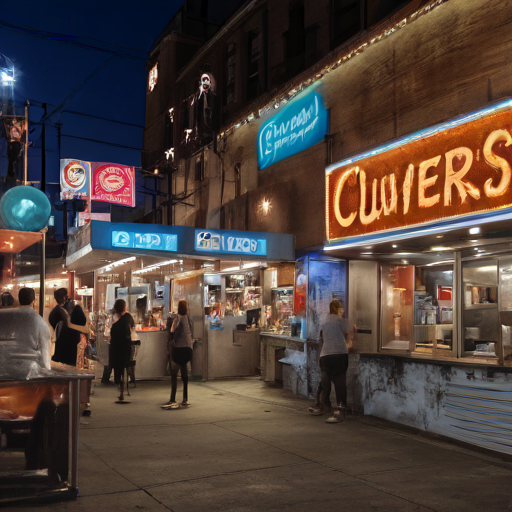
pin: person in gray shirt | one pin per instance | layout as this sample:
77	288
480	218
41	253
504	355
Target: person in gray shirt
334	333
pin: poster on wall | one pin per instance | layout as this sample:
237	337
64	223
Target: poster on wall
75	179
113	183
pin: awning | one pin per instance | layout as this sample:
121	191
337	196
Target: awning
100	242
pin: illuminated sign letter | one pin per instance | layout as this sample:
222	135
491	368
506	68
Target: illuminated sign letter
409	176
391	207
424	183
455	178
344	222
497	163
374	214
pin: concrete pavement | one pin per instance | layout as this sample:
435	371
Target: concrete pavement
244	446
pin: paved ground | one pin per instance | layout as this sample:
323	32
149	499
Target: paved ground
243	446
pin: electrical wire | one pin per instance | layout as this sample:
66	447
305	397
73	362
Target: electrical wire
113	144
64	38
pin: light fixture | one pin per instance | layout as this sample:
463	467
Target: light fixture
394	246
440	248
476	248
405	262
474	231
265	206
439	236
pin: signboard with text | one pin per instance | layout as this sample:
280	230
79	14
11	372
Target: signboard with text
75	179
229	243
300	124
455	169
113	183
151	241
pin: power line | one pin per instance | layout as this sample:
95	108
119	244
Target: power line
63	38
102	142
85	115
101	118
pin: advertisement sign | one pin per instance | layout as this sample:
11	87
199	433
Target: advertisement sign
455	169
113	183
75	179
302	123
151	241
229	243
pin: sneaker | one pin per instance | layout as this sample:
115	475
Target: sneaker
185	403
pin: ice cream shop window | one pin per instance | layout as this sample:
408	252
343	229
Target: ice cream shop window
397	306
433	309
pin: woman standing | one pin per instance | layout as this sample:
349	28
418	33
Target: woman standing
181	354
334	362
121	343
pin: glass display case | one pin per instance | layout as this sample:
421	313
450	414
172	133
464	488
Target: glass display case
279	314
480	308
433	309
397	306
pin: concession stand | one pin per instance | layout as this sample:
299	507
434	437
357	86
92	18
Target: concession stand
39	405
236	283
424	225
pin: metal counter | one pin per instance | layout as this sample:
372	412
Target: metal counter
39	424
151	355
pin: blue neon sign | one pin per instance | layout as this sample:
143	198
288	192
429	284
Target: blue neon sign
152	241
231	242
301	124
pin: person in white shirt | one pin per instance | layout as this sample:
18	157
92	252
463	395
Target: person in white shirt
25	340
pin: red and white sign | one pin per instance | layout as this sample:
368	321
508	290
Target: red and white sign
113	183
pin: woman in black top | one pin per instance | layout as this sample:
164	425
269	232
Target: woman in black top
68	337
121	343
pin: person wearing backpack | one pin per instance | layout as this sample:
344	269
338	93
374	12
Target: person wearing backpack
181	354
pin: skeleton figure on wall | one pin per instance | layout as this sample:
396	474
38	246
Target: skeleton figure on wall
206	115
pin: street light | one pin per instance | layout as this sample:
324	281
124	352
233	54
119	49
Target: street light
6	70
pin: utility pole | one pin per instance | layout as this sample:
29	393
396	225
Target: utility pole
43	155
25	158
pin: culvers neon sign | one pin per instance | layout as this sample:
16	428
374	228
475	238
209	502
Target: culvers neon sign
454	169
230	243
300	124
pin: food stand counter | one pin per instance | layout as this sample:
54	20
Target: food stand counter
39	422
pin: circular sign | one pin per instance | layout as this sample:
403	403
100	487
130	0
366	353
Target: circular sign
111	179
75	175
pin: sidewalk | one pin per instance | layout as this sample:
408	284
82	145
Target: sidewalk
243	446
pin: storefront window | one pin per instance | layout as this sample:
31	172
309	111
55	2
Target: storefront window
480	316
327	281
397	306
505	307
433	309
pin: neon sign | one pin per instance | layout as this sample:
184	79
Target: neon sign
231	242
151	241
459	168
301	124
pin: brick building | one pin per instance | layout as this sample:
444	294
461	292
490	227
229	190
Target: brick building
397	79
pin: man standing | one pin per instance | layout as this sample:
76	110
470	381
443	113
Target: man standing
27	340
58	313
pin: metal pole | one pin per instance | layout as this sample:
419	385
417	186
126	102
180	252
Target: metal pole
42	274
74	425
25	159
43	154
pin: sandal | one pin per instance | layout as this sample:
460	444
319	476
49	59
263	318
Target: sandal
338	416
319	411
171	405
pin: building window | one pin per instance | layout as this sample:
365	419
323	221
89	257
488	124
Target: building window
345	21
295	39
199	168
377	10
238	180
230	74
153	77
254	53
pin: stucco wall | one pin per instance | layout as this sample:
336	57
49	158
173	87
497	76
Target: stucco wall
471	404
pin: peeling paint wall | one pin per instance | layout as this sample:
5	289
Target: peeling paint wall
471	404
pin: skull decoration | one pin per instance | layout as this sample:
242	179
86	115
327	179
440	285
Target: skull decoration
207	84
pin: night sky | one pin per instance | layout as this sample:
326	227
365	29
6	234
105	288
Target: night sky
49	70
